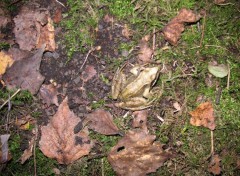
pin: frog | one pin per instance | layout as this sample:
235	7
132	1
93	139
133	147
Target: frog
135	92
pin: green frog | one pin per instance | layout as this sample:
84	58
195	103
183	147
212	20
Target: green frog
136	92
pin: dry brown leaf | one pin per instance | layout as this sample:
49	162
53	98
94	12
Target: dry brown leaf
214	165
219	1
126	32
140	120
136	154
172	31
57	16
58	139
49	94
18	54
33	28
5	62
88	73
102	122
203	116
25	74
145	52
28	152
24	122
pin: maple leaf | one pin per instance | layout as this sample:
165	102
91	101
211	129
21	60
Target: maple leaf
136	154
172	31
102	121
203	116
34	27
25	74
60	141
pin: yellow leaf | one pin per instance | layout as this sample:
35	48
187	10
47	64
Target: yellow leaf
5	62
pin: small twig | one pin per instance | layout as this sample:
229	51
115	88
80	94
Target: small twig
61	3
212	143
102	163
154	41
228	78
203	29
10	98
85	60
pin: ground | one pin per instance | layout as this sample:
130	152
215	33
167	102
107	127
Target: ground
185	80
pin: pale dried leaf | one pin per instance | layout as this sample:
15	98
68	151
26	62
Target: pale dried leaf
4	150
136	154
24	122
5	62
102	122
203	115
25	74
49	94
58	139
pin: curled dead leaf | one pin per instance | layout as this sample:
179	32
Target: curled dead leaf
49	94
28	152
136	154
203	115
214	165
145	52
140	119
102	121
172	31
60	141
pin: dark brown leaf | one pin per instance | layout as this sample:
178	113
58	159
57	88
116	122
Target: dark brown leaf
214	165
59	141
140	119
25	74
102	122
136	154
145	52
33	28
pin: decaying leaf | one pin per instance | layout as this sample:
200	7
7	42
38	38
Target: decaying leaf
4	150
49	94
25	74
203	116
214	165
4	17
145	52
58	139
136	154
24	122
102	122
172	31
57	16
18	54
28	152
88	73
219	71
33	28
140	119
126	32
5	62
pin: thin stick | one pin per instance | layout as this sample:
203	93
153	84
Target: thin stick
102	167
34	151
212	143
203	28
60	3
85	60
10	98
154	40
228	79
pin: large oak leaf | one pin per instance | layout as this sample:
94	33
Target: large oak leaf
136	154
58	139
